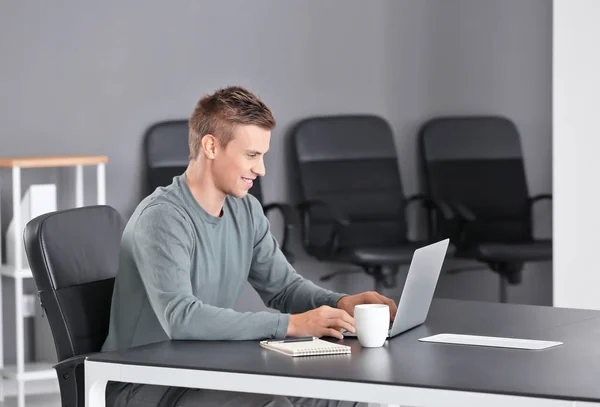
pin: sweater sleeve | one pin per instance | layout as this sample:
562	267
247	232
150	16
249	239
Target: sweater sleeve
274	278
162	247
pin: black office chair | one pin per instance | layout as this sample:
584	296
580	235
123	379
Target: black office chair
475	165
353	207
167	155
74	255
166	151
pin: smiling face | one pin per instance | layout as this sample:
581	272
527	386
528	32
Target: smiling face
237	165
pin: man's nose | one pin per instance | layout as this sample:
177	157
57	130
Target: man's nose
260	169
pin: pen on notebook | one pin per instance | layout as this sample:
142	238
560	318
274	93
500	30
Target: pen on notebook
304	339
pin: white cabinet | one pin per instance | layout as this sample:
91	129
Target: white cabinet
18	269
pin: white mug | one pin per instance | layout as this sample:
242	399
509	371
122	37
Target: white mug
372	322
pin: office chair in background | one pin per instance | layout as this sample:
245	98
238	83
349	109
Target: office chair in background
475	165
166	151
352	205
74	256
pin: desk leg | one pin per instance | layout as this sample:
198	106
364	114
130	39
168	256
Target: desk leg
95	392
95	395
97	376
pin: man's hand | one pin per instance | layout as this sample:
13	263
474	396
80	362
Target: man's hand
347	303
322	321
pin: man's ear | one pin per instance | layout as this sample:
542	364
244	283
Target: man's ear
209	146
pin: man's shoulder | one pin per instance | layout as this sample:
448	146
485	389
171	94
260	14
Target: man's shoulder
156	209
153	221
160	203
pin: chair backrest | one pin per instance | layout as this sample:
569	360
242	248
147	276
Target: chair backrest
166	147
74	255
349	161
167	152
478	162
256	190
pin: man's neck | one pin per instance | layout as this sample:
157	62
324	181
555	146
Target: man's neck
203	188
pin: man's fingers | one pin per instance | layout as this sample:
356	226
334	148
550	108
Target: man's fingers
346	317
340	313
332	332
390	303
339	324
345	320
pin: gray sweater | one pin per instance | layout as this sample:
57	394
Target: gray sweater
181	271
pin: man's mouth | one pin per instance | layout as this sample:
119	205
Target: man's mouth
248	181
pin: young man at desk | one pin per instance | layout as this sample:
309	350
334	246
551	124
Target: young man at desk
189	248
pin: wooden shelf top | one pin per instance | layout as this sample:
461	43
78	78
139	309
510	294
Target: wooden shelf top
55	161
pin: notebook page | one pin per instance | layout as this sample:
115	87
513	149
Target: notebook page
306	348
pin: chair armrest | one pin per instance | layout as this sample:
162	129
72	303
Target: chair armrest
71	381
465	219
442	207
335	215
287	212
70	363
464	212
539	197
289	221
436	210
340	221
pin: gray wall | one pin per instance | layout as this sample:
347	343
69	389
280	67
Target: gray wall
89	79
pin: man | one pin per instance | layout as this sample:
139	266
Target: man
189	248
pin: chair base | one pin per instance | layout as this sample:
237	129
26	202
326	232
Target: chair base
384	276
509	273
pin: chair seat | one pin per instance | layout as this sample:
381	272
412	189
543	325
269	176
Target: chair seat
391	255
522	252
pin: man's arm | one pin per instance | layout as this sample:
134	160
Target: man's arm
275	280
162	247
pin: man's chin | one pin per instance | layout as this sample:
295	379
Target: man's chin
239	194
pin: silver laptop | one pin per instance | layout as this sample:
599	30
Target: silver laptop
419	288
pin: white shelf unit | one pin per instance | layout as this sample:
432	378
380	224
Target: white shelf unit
23	372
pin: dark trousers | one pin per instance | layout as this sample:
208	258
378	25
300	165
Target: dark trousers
145	395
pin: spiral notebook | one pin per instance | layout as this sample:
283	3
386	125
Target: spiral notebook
312	347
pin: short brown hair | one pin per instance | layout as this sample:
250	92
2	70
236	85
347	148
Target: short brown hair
219	114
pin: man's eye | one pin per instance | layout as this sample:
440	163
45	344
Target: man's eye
251	155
